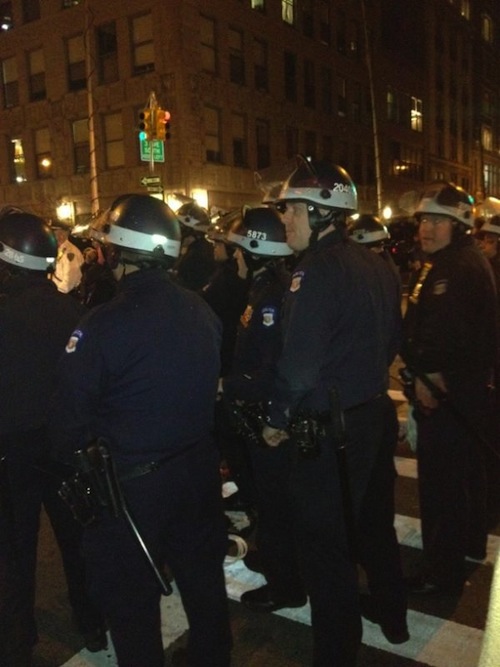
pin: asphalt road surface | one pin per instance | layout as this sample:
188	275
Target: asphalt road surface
444	632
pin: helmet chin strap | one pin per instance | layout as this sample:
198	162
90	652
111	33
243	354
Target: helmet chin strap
318	223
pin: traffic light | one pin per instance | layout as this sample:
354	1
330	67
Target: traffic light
145	128
162	124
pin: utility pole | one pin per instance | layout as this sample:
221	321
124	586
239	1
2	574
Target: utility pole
376	141
89	73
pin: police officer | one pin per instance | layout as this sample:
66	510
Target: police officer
260	239
35	322
227	289
196	262
341	326
141	373
450	346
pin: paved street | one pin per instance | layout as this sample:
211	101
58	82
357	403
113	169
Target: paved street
444	632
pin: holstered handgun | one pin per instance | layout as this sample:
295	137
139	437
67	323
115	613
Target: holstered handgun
248	421
95	487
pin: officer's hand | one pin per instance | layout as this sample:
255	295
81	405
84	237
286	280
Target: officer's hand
273	436
425	400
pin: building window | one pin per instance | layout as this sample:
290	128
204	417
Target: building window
355	41
341	96
261	67
288	11
308	18
143	59
208	44
81	146
113	140
292	142
10	82
31	10
239	129
309	84
18	161
326	90
77	79
263	147
357	102
36	67
392	106
341	33
236	57
325	28
71	3
260	5
107	53
43	153
212	135
416	116
290	73
6	15
486	138
465	9
487	28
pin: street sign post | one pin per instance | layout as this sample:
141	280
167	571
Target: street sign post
151	180
158	154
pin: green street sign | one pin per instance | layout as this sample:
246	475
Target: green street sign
158	150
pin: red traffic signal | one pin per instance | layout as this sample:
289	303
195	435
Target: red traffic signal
162	124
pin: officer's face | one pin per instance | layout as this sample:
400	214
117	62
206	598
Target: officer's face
434	232
296	220
488	244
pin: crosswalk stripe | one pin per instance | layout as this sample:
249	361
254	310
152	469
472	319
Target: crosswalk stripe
434	641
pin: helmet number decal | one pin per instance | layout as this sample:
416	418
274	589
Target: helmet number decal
341	187
259	236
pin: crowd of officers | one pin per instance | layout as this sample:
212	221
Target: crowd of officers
262	339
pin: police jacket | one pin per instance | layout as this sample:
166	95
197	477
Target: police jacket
259	337
449	326
341	328
196	264
226	293
35	323
140	371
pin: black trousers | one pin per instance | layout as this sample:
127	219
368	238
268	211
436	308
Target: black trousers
179	511
330	572
27	488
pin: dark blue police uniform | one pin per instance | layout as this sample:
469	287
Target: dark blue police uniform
341	325
257	351
141	372
35	322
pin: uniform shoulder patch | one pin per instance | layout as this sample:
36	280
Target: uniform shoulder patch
73	341
296	281
440	287
269	316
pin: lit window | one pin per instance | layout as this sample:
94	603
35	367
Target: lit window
465	8
288	11
259	4
416	114
487	28
43	153
18	161
6	15
487	138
